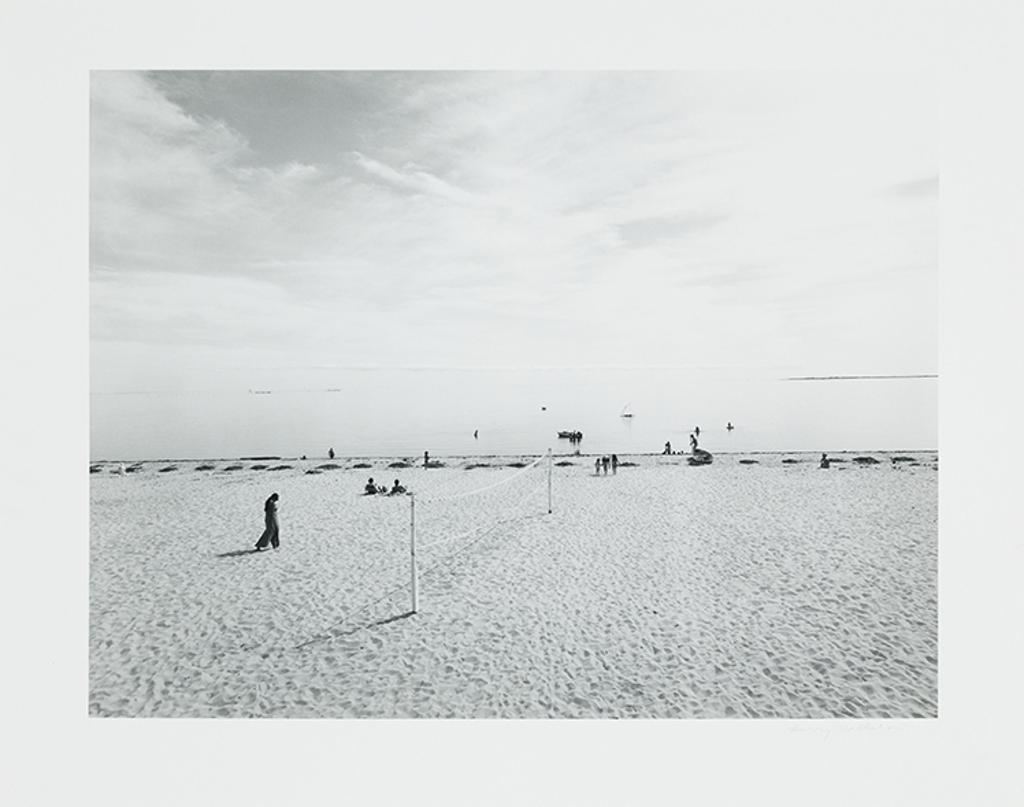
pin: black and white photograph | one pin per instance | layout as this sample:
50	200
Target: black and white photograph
339	319
539	403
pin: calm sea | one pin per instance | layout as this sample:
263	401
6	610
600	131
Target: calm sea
405	412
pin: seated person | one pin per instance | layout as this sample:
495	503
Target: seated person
397	489
824	461
370	488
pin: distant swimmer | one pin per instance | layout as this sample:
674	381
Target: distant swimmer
271	531
824	461
729	426
696	430
330	453
476	433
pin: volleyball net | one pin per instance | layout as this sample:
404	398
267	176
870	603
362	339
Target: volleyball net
443	526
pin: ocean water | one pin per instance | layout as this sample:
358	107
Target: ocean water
407	412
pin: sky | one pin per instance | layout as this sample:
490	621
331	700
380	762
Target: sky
251	229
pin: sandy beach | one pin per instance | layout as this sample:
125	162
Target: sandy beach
760	586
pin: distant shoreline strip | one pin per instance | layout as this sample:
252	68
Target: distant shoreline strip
856	377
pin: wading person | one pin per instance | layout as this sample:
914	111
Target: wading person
271	533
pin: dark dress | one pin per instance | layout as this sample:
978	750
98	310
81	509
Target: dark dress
270	534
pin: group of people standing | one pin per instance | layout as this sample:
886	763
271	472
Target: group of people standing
601	464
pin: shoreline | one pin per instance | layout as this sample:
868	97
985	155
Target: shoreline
415	460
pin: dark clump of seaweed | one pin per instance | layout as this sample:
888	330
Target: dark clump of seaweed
234	468
748	462
205	467
565	463
362	465
865	460
328	466
258	467
280	468
627	464
399	464
167	468
474	465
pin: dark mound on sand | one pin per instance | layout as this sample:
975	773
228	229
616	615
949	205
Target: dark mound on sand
749	462
565	463
903	459
280	468
790	461
168	468
314	471
258	467
132	469
474	465
249	459
516	465
399	464
362	465
94	469
205	467
435	464
627	465
234	468
865	460
328	466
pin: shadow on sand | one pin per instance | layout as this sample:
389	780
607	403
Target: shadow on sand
237	553
334	634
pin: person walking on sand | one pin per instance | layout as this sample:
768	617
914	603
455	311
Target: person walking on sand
426	459
330	453
597	466
271	532
615	464
604	464
668	447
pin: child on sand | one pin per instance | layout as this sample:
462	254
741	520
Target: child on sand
370	488
397	489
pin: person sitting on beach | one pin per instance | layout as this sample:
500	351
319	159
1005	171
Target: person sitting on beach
693	443
370	489
824	461
396	489
271	531
729	426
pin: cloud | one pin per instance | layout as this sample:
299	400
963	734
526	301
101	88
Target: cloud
417	181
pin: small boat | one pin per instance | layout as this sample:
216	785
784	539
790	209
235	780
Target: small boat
576	435
699	457
565	435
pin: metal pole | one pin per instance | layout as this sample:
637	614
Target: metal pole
412	550
549	481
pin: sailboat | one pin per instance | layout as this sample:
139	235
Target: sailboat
625	412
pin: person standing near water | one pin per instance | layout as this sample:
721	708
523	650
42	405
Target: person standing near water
426	459
615	463
330	453
271	532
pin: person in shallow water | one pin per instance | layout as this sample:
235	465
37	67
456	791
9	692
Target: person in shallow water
271	532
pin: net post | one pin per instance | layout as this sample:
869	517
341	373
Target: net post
412	552
549	481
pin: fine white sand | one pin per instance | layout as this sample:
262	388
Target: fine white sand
732	590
